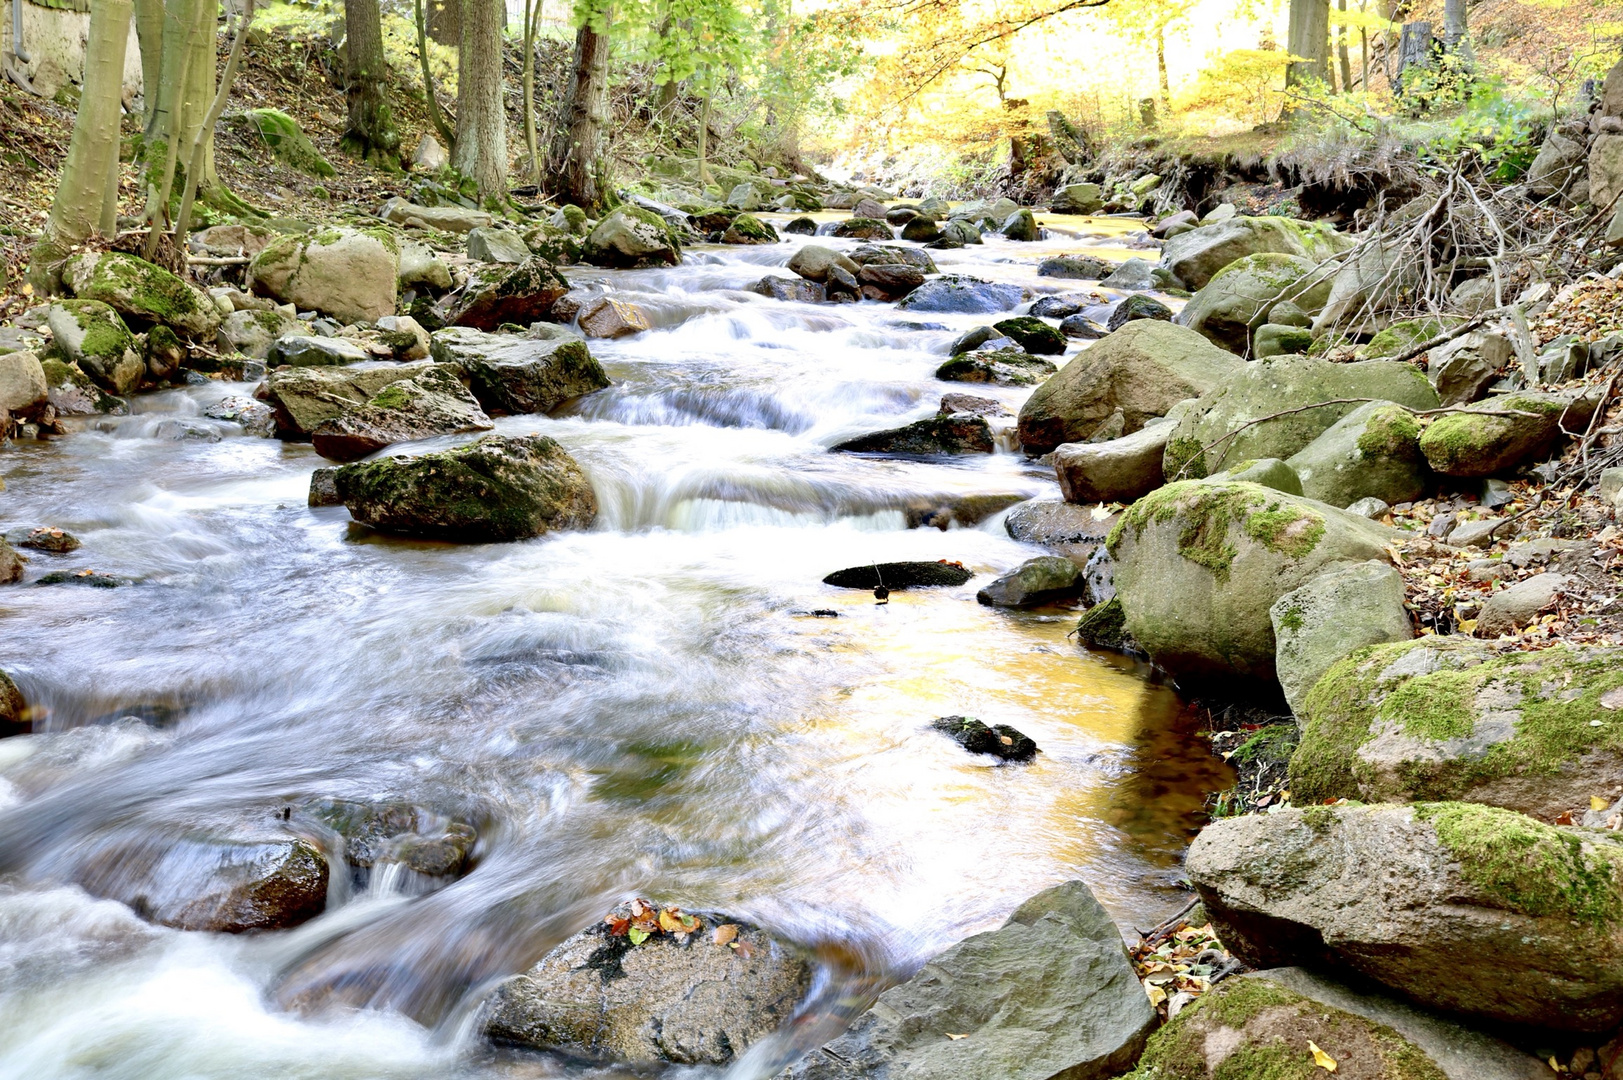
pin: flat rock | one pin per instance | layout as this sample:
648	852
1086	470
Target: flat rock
515	376
962	295
956	433
1117	470
899	575
999	367
301	398
307	350
429	405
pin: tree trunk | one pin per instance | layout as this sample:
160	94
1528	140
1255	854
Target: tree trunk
481	119
576	145
705	179
149	36
441	125
183	44
532	145
1341	50
445	22
1161	66
1457	34
372	134
1309	39
81	205
1414	49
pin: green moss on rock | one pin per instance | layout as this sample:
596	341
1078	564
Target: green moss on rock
1208	509
288	141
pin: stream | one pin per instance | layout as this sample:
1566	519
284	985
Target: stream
647	708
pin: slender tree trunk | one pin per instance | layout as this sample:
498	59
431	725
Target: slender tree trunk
1161	66
81	207
1341	50
705	179
445	22
1457	34
481	120
182	41
1310	40
149	22
532	145
196	173
441	125
1363	50
372	134
576	145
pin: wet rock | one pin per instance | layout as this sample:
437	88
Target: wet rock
608	317
981	337
1082	267
958	233
699	998
1021	226
454	219
90	335
221	884
749	229
24	387
921	229
1143	369
890	255
1262	1028
889	281
1336	613
1118	470
13	709
1032	335
951	434
89	579
423	840
1001	741
974	406
1001	367
496	294
45	538
515	376
1195	257
1199	564
962	295
1463	369
842	285
1104	626
1077	199
795	289
1237	301
899	575
1076	1012
1080	326
324	487
1512	609
253	333
349	274
139	290
425	406
1409	896
1475	443
801	226
861	228
11	564
1372	452
1220	429
500	488
302	398
901	215
496	245
1135	307
305	350
814	262
949	510
629	236
1035	582
1055	307
1072	530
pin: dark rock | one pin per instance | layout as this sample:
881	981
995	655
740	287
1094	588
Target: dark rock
1084	267
1021	226
949	510
1065	526
45	538
901	215
1054	307
801	226
890	254
497	489
423	840
1080	326
13	709
302	398
1043	580
921	229
890	281
517	376
1002	367
1138	306
792	289
1032	335
970	340
962	295
749	229
88	578
858	228
842	284
951	434
899	575
1104	626
11	564
431	404
1000	741
324	487
498	294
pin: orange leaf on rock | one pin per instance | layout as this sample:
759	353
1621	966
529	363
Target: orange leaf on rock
725	934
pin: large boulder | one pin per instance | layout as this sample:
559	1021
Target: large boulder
1319	623
514	375
1560	167
24	386
954	433
1503	432
1077	199
253	333
1463	369
1048	996
139	290
956	294
1196	256
1043	580
1369	283
455	219
1000	367
1236	302
1256	1029
428	405
497	489
1413	896
813	262
1117	470
223	884
1453	718
498	294
629	236
304	397
1372	452
1259	413
90	335
1032	335
1199	564
350	274
693	997
1143	369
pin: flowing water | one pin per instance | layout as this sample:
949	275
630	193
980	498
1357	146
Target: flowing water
647	708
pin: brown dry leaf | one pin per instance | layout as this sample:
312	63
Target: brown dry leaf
744	949
639	907
1320	1058
725	933
617	924
670	921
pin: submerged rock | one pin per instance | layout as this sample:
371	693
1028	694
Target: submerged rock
899	575
1075	1011
951	434
497	489
693	997
423	840
1000	741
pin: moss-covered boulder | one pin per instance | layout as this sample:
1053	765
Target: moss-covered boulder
1199	564
1501	433
749	229
1142	369
1135	307
349	274
425	406
1104	626
1275	408
1195	257
515	376
863	228
1372	452
1032	335
1021	226
1046	579
1000	367
630	236
90	335
253	333
1417	897
142	291
288	141
1400	337
1254	1029
495	295
303	397
1317	624
1236	302
497	489
68	390
921	228
1454	718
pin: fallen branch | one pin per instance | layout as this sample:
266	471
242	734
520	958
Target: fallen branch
218	260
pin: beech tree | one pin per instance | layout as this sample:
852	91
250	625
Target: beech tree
372	134
1309	42
481	119
577	143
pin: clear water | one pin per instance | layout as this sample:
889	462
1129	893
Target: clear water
641	709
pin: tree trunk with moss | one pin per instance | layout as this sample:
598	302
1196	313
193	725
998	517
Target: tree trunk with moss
372	134
577	144
481	121
1310	40
89	176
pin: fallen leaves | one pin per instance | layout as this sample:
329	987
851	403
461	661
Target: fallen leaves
725	934
1320	1058
1177	963
639	920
